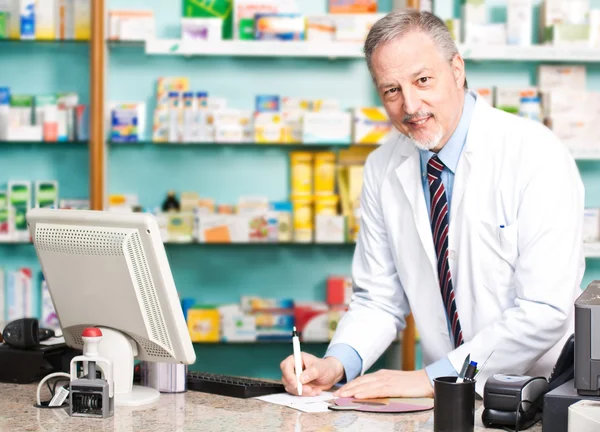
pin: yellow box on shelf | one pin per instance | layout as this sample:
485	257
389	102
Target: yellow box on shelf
302	173
268	128
371	125
204	324
303	218
324	171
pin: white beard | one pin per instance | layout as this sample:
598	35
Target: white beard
428	144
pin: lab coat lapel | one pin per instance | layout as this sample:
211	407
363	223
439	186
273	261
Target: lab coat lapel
409	174
476	132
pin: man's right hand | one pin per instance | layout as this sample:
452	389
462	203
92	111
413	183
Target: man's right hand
319	374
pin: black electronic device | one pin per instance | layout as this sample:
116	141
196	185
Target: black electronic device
24	366
564	369
25	333
513	401
231	386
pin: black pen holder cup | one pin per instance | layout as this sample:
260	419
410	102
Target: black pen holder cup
454	405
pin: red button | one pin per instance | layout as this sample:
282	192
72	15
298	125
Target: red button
91	332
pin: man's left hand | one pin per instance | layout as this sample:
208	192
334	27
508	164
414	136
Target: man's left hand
388	383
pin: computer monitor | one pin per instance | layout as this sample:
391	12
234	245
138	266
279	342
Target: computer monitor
110	270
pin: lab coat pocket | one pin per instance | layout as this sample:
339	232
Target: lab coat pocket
499	257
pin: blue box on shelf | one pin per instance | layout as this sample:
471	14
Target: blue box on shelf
284	27
126	123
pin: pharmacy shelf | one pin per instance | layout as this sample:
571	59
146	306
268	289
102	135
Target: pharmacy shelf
212	145
533	53
239	48
261	244
355	50
44	143
45	41
586	155
591	250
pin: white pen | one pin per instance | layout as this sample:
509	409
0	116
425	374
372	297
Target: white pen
297	359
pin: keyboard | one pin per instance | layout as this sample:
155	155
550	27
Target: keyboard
231	386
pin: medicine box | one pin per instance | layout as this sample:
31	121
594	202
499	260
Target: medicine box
19	195
214	9
554	77
127	122
12	18
327	128
285	27
274	326
519	22
48	317
354	27
312	319
19	295
202	29
268	128
131	25
487	94
244	12
339	290
203	324
371	126
5	217
46	194
27	12
591	225
83	19
65	19
330	228
509	98
236	326
222	228
4	112
320	28
352	6
45	19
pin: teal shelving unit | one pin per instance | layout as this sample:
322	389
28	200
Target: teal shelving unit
39	68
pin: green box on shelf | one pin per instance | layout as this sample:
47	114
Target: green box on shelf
211	9
3	25
246	29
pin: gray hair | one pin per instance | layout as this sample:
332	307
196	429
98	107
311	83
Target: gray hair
396	24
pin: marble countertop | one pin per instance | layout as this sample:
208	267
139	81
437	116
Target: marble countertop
194	411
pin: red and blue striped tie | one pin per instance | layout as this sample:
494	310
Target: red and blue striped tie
439	228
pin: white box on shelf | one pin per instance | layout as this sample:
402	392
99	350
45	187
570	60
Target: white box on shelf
202	29
519	22
591	225
553	77
25	133
247	9
354	27
45	19
320	28
485	34
131	25
327	127
65	19
330	229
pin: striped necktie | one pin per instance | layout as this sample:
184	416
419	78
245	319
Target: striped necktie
439	228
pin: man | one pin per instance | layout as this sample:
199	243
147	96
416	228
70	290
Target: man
471	219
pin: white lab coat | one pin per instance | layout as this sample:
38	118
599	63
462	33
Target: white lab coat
514	286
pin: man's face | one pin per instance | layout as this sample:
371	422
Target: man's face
422	91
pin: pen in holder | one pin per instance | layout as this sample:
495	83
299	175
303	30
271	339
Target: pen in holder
454	405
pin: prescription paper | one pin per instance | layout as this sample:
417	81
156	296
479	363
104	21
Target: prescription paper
311	404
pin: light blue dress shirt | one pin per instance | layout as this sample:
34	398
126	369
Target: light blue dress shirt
449	155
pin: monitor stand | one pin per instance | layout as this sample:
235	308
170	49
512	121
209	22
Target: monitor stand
120	349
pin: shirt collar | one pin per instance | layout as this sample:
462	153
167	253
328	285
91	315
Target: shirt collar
450	153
